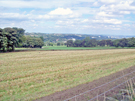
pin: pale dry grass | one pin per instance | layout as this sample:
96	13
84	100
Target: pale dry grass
30	75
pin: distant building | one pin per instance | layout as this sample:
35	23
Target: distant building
72	39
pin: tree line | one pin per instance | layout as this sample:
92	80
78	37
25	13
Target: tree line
14	37
87	42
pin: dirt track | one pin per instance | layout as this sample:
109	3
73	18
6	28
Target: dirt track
64	95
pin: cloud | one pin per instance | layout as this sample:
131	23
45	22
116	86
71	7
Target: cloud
95	4
61	15
15	16
122	6
107	21
39	3
124	12
125	5
61	11
104	14
108	1
85	20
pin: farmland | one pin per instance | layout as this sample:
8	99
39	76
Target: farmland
46	48
34	74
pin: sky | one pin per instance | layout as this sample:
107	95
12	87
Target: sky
101	17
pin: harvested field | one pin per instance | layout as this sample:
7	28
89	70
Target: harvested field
95	90
32	75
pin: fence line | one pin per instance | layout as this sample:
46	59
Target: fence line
99	86
111	89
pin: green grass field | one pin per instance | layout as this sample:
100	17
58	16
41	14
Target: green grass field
72	48
30	75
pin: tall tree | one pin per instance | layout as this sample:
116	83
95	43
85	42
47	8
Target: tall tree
116	43
12	38
78	43
1	38
109	43
20	35
123	42
38	42
102	43
131	42
70	43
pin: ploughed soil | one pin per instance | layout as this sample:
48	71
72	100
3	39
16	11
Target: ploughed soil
89	89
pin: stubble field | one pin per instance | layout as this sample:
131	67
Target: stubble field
34	74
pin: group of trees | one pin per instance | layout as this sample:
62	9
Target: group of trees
33	42
87	42
61	44
14	37
11	37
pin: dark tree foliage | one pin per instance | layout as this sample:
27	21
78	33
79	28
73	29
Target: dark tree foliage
70	43
102	43
10	38
14	37
78	43
109	43
58	44
33	42
131	42
87	42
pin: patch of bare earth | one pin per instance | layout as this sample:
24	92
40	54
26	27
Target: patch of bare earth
87	88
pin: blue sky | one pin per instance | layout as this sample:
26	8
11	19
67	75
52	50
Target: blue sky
116	17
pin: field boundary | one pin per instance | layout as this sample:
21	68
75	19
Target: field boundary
111	89
99	86
84	88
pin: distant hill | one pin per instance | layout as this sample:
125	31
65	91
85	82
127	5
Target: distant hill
56	37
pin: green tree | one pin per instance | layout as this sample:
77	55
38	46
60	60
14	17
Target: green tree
131	42
85	42
109	43
20	35
123	42
33	42
50	44
102	43
58	44
3	40
78	43
12	38
38	42
70	43
42	38
29	42
116	43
